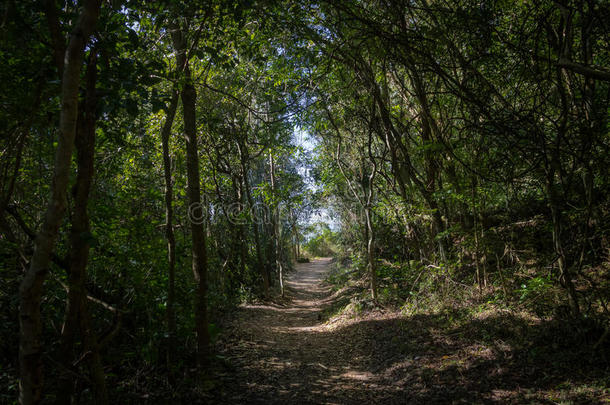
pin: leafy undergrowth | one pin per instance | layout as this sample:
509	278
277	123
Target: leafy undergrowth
462	346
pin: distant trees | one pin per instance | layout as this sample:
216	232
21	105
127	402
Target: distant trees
323	242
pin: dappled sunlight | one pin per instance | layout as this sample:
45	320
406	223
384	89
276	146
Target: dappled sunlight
297	329
357	375
289	352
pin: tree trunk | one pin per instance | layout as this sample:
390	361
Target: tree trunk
369	222
31	288
169	235
298	243
77	315
241	228
475	224
565	276
196	212
199	251
276	227
370	252
295	236
243	156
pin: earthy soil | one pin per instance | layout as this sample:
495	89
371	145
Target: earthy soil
292	352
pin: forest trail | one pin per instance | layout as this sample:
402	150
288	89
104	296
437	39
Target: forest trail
297	352
287	354
294	352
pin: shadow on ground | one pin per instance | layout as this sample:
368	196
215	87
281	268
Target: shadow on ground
284	354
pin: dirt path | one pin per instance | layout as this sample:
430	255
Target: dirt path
289	353
286	354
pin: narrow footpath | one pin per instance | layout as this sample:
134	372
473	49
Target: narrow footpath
287	354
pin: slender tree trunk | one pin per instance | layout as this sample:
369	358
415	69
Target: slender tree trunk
369	222
196	211
169	235
298	243
565	276
370	252
243	156
199	251
241	228
31	288
267	227
295	237
276	227
475	221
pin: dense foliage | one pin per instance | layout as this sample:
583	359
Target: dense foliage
474	134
